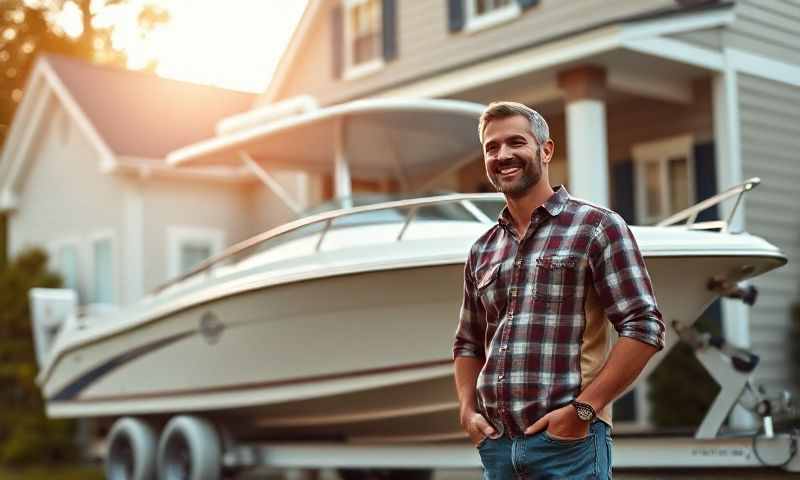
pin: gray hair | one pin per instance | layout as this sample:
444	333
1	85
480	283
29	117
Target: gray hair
495	110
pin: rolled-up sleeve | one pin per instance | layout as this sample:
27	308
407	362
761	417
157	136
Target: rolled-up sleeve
623	284
471	329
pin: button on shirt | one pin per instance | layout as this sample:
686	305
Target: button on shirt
536	308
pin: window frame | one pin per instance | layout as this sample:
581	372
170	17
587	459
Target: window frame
54	248
473	22
100	235
662	152
177	235
352	71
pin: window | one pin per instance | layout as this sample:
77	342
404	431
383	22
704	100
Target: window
102	270
363	37
192	253
67	264
188	246
487	13
665	178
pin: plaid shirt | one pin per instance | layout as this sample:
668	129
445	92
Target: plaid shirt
523	309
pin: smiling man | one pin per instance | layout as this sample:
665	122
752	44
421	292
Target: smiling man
534	369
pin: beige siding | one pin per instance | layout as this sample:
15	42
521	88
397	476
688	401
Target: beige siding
710	38
64	196
767	27
426	47
770	132
193	204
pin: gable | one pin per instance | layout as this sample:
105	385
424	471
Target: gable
427	45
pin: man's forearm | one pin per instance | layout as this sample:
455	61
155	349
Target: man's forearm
626	361
466	377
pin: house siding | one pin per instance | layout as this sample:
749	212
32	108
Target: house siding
427	47
65	196
710	38
195	204
770	139
767	27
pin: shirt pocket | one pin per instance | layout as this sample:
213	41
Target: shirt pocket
557	284
489	288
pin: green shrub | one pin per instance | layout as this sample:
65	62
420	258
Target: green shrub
680	390
27	436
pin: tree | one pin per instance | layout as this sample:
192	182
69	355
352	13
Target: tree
26	435
68	27
31	27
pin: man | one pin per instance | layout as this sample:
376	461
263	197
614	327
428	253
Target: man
533	371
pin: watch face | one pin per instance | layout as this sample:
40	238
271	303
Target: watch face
584	415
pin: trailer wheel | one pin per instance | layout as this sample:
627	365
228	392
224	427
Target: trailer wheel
131	451
189	449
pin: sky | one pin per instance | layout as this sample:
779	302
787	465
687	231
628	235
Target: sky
233	44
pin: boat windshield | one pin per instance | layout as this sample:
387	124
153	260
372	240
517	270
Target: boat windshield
298	241
439	212
337	226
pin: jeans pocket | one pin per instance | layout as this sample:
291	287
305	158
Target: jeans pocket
481	443
566	441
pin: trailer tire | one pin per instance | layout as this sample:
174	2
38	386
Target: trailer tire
131	450
189	449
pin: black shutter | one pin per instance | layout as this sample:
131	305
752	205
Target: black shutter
705	186
337	42
622	195
389	30
455	15
705	179
527	3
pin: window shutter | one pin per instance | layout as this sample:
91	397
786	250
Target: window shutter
622	195
705	179
455	15
389	30
527	3
337	42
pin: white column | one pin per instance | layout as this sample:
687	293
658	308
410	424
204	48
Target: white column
584	90
587	150
728	154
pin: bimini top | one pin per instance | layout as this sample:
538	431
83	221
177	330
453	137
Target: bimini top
379	138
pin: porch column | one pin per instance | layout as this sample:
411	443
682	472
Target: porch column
587	147
727	142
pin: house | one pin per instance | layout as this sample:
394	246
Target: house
654	105
83	175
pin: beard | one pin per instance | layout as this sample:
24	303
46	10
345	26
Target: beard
529	176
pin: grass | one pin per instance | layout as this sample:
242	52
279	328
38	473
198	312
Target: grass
52	473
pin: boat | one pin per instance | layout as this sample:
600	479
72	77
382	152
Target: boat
338	326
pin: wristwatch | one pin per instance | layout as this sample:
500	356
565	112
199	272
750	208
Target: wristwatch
584	410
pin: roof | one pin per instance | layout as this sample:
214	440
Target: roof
139	114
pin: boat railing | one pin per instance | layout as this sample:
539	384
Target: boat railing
326	219
688	218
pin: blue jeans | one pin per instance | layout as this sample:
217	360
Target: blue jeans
540	456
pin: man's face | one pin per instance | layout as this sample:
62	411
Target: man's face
511	155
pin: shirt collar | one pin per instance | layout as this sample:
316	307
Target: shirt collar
554	206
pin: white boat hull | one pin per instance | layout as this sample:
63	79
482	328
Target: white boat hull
341	356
